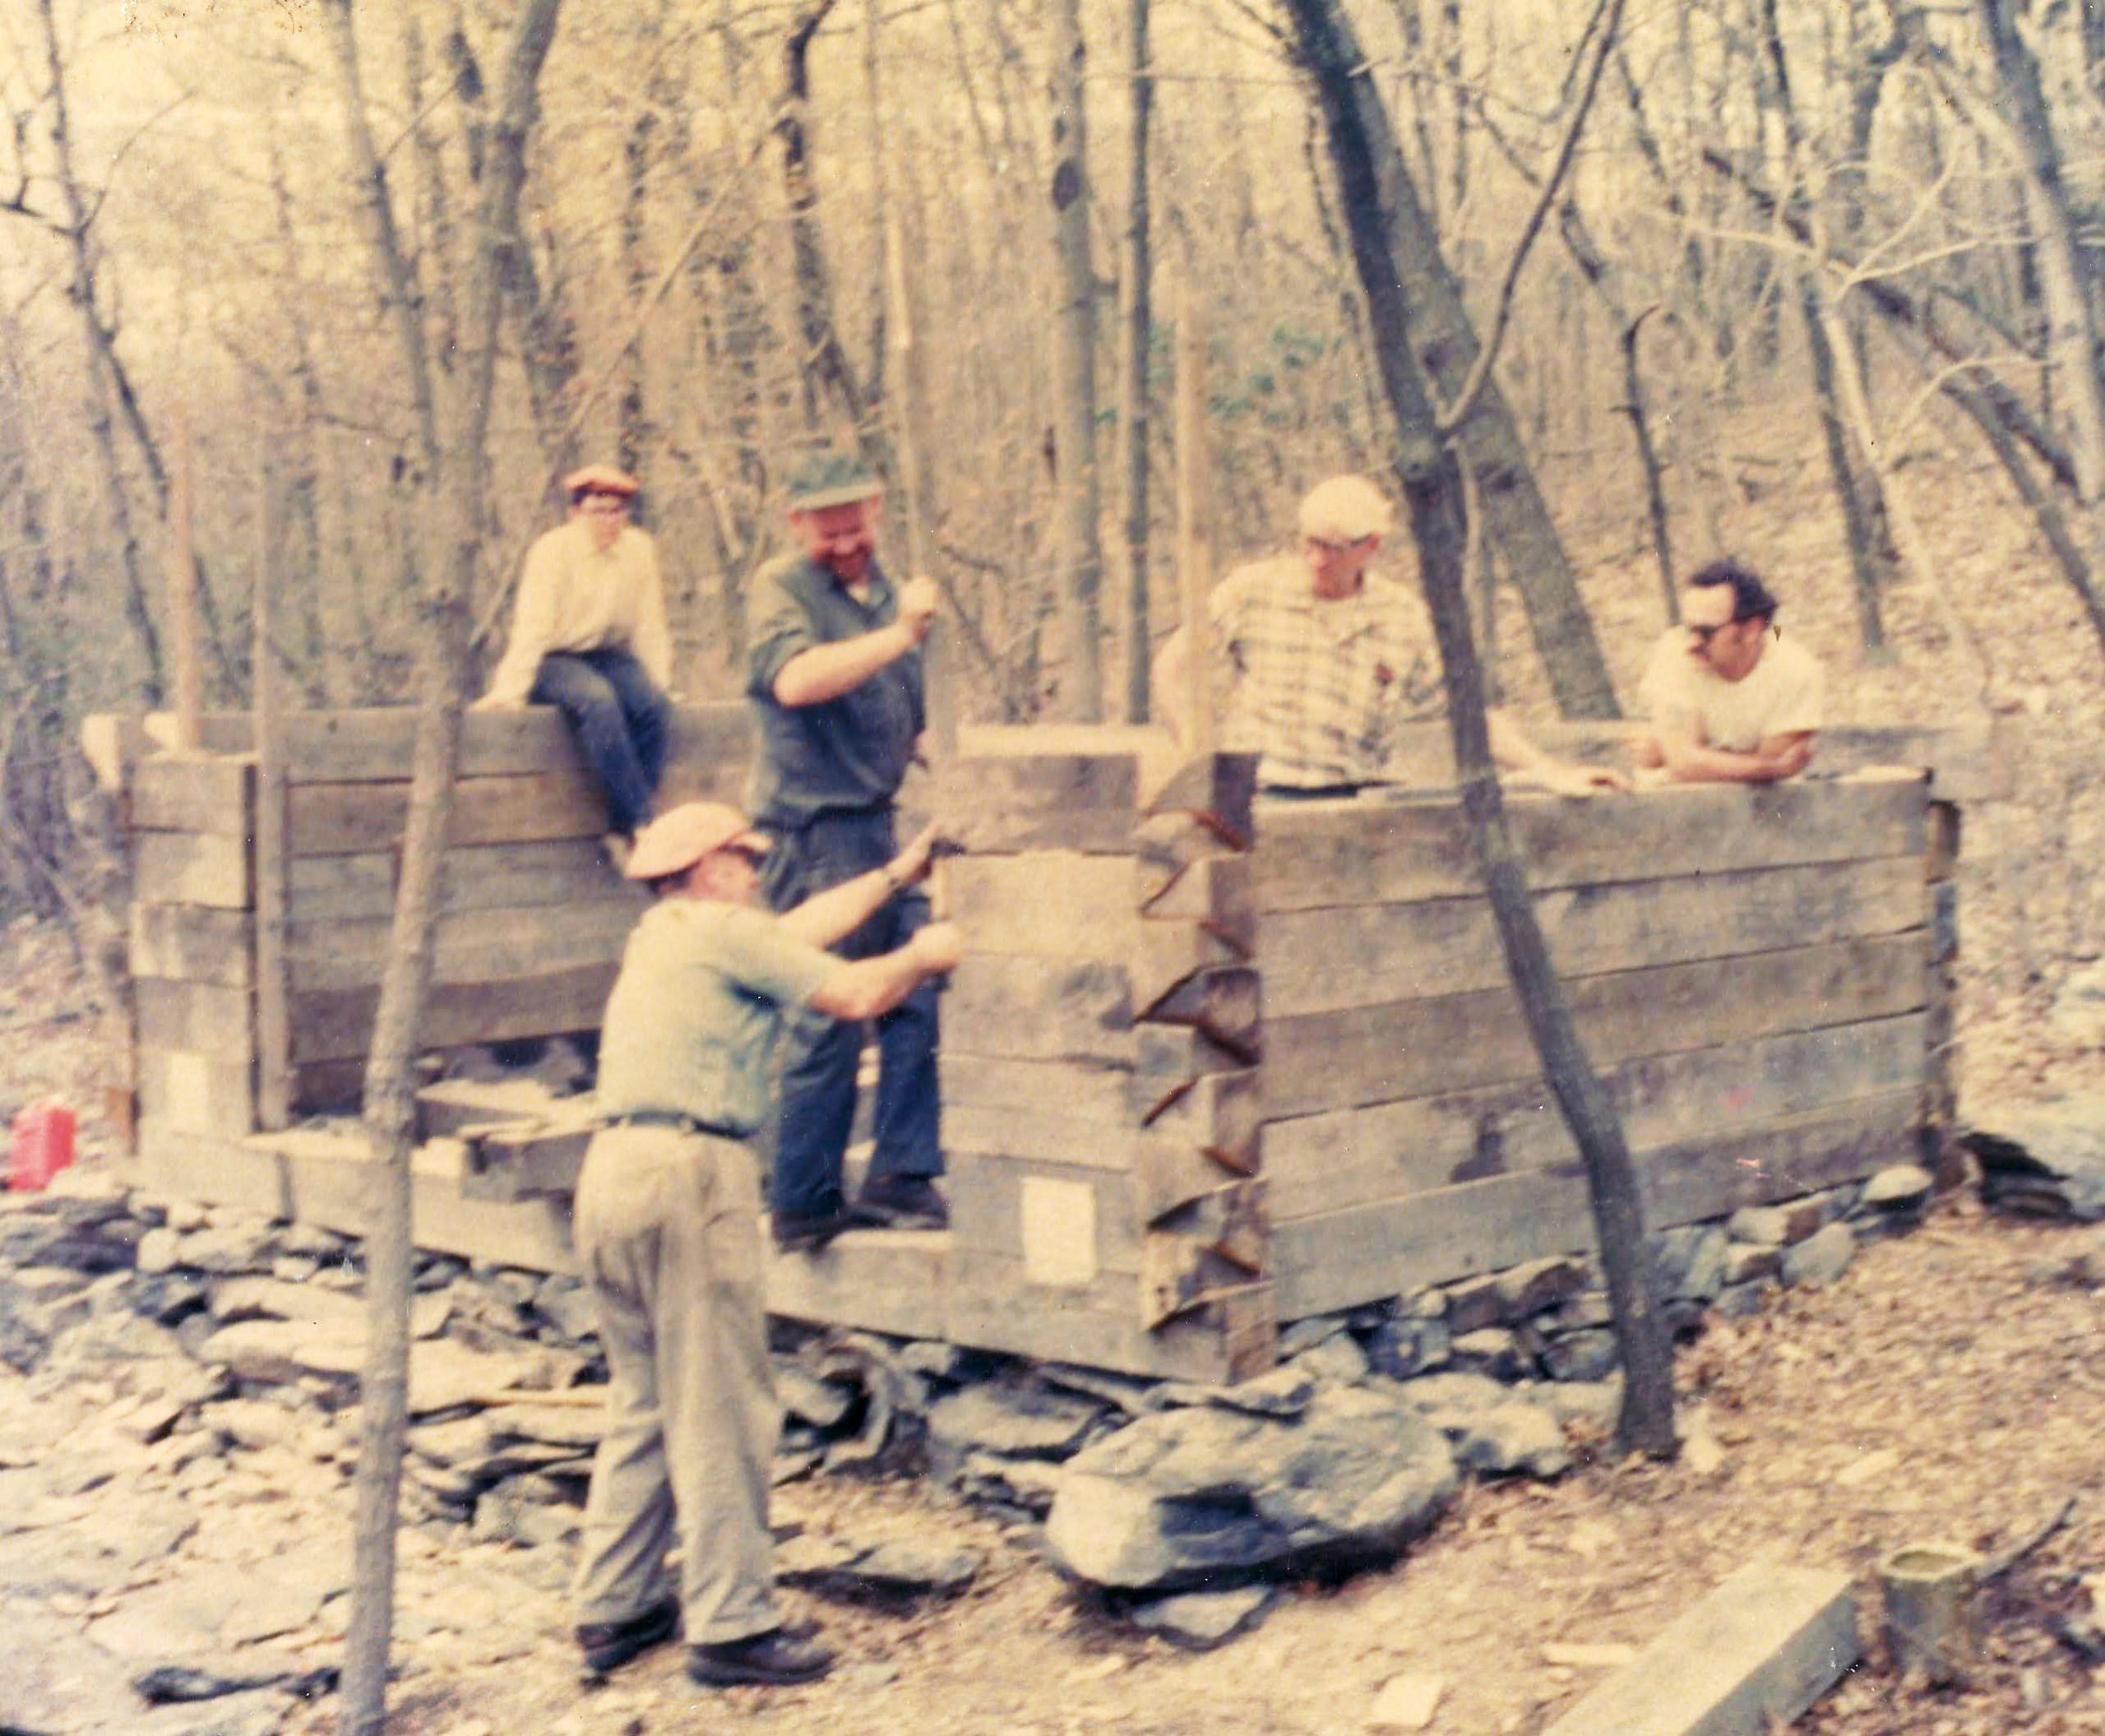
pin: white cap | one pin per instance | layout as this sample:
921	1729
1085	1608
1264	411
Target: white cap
1348	508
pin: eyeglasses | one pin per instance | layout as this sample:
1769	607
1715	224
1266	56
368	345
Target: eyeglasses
1704	635
1330	546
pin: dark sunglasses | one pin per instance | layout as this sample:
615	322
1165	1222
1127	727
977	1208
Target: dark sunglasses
1705	635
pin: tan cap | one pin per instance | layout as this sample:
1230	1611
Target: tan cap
676	840
600	478
1350	507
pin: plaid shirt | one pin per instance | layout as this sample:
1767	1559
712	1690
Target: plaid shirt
1321	685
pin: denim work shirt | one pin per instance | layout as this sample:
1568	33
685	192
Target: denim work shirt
845	753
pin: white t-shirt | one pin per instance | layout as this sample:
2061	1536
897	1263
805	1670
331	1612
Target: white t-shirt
1781	695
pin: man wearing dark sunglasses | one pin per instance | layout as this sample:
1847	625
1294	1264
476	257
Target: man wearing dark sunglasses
1732	701
667	1227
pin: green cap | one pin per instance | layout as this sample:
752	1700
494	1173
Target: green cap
832	479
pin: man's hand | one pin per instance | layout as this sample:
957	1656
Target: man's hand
910	866
1562	778
918	601
938	947
489	702
1792	757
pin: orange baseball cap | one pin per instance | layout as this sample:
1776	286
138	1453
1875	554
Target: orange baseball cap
676	839
600	478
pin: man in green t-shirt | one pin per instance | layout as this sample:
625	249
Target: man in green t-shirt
668	1236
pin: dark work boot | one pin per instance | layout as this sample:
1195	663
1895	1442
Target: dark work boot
775	1659
902	1202
609	1645
794	1232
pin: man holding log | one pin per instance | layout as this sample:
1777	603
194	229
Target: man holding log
589	637
1327	660
836	676
667	1236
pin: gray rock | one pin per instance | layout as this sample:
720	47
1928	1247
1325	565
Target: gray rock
512	1286
1688	1261
1579	1356
1131	1393
439	1271
822	1404
1592	1404
1429	1304
1493	1350
575	1427
1180	1497
275	1352
251	1424
1737	1301
2044	1159
1539	1284
170	1297
1473	1303
1775	1226
257	1712
257	1298
1199	1621
1278	1392
1452	1393
1744	1261
1408	1345
1014	1422
1822	1257
184	1216
1587	1309
1898	1187
158	1251
567	1305
1028	1484
1512	1437
229	1248
311	1241
1305	1335
932	1360
1337	1361
210	1679
889	1566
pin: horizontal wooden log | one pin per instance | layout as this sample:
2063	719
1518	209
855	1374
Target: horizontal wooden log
1064	1222
346	819
992	1307
1217	893
376	745
1007	1132
894	1281
1093	1094
1167	847
200	1093
193	943
190	868
1049	789
1319	1163
1217	787
337	1024
1169	1175
1325	1061
1166	1059
1233	1219
525	1159
1326	960
1179	1276
471	947
194	792
451	1107
1221	1113
1389	1248
563	871
1323	854
1040	1010
1166	955
1046	904
1223	1003
205	1018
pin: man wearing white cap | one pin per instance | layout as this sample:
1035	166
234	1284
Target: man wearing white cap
589	637
1328	659
668	1232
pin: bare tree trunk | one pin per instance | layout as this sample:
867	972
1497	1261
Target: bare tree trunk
1368	172
1136	316
454	480
1079	560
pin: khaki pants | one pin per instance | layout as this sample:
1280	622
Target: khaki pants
667	1235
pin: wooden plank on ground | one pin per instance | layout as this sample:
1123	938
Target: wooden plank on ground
558	871
1325	961
346	819
1325	1061
1745	1659
191	868
1046	904
1316	855
471	946
206	1018
336	1025
1368	1251
193	792
1040	1010
192	943
374	745
1319	1163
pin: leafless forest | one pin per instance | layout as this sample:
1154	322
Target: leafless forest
361	279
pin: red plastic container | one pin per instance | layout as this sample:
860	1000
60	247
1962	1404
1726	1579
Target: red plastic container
40	1144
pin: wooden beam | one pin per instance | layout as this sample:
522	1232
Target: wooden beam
187	868
471	946
337	1024
374	745
1327	1061
346	819
206	1017
192	943
274	1081
486	876
1046	904
1320	854
1039	1009
1326	960
202	793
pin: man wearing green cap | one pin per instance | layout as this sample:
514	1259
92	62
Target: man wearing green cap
834	674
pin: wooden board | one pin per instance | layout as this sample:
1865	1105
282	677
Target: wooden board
1038	1009
992	1306
1049	1216
336	1025
472	946
1368	1252
563	871
205	1018
189	868
1051	791
193	792
203	1093
1325	961
1319	1163
1320	854
1325	1060
879	1281
374	745
1082	1140
1046	904
193	942
1090	1093
346	819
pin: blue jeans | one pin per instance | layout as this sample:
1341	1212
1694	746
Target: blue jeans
621	721
820	1054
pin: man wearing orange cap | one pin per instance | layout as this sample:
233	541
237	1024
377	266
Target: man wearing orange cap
589	637
667	1228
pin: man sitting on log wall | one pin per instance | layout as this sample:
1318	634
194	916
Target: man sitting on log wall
589	637
1732	701
836	676
1327	660
667	1228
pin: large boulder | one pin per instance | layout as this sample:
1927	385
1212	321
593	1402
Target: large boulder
1189	1496
2043	1159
